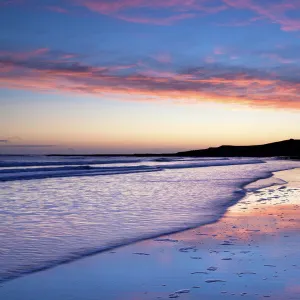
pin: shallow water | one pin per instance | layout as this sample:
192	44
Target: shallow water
252	252
45	222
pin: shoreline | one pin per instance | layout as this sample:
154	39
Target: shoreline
239	195
188	243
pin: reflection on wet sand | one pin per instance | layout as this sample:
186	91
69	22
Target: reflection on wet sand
252	252
272	210
253	217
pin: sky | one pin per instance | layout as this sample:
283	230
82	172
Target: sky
133	76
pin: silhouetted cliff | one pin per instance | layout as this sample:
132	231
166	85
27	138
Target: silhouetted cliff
289	148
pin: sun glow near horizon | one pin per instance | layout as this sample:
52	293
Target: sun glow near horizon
104	76
92	125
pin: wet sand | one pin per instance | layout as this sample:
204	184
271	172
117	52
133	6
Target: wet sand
252	252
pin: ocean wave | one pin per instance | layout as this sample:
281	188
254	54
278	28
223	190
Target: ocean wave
40	172
65	161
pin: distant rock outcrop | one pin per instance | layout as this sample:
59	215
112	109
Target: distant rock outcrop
290	148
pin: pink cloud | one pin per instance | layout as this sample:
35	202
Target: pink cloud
242	23
156	21
177	10
207	83
69	56
108	6
274	12
40	51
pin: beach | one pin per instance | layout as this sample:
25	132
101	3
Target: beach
150	149
251	252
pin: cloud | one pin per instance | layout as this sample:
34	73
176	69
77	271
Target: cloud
141	11
241	23
276	57
9	140
165	21
26	146
17	142
25	55
108	6
170	11
278	87
273	11
282	54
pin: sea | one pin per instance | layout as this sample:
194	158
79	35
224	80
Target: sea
56	209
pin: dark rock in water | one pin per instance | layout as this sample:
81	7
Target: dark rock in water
214	280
